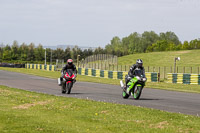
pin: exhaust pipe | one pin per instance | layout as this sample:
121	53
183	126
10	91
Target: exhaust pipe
122	86
121	83
59	82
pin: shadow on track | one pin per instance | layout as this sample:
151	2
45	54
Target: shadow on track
75	93
149	99
145	99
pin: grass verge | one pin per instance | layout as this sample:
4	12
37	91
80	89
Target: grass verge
161	85
24	111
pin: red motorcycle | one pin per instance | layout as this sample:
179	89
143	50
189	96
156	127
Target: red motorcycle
68	81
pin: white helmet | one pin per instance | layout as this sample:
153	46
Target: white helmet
139	62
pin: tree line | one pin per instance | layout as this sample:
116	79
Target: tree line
24	53
148	41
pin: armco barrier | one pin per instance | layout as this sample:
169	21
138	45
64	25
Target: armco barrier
41	67
13	65
151	77
183	78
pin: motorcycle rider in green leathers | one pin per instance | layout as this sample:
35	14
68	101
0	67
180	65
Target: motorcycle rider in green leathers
131	74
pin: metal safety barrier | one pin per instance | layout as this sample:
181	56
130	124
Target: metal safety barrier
41	67
151	76
183	78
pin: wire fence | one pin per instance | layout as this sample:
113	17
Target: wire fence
92	61
179	69
59	64
106	58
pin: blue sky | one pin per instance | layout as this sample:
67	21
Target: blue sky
94	22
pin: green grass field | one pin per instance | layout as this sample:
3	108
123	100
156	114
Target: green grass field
23	111
188	58
56	74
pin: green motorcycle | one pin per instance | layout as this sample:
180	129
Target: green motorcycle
134	86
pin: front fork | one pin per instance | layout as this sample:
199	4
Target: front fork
130	86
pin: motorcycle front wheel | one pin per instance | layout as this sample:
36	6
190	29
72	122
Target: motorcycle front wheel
69	87
63	87
137	92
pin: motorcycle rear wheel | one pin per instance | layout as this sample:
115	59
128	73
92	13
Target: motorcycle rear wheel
124	95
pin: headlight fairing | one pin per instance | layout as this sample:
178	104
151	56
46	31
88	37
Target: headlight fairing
138	78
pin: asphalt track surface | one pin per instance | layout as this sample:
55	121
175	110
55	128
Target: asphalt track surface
171	101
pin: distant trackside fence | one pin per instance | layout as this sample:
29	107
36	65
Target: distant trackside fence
151	76
182	78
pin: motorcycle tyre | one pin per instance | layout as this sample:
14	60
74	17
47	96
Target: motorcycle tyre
63	87
138	96
124	95
69	87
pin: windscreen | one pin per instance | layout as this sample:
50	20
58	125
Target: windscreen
138	72
70	72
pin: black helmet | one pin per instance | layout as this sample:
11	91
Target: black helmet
139	62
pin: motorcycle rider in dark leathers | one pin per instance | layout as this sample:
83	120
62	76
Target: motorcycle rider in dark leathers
71	66
138	65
